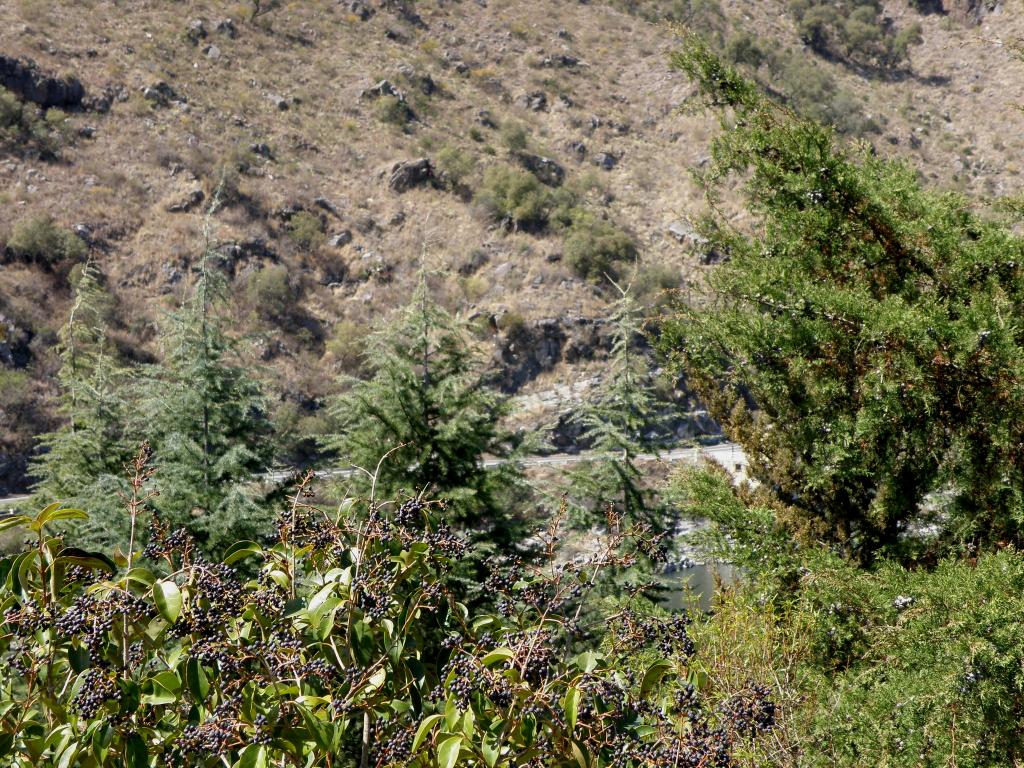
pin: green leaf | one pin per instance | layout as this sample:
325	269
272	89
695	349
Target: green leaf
135	753
142	576
168	600
579	754
78	658
497	655
421	733
253	756
85	559
241	550
448	752
54	513
653	675
490	750
587	661
362	642
571	704
198	683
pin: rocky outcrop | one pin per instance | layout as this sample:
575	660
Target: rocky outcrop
526	350
412	173
25	80
544	168
972	11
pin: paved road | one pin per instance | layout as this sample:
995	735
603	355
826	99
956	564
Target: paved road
729	455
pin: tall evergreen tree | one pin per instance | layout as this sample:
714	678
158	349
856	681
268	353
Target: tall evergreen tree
428	402
205	416
81	463
616	421
863	339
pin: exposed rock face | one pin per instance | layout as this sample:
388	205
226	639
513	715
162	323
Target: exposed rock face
971	10
544	168
383	88
536	101
14	344
412	173
527	350
24	79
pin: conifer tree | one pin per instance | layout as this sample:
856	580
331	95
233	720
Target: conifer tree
615	422
863	338
427	404
205	417
82	462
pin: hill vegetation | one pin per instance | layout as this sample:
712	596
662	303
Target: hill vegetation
167	599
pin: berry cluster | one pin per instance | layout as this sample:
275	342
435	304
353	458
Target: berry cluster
98	687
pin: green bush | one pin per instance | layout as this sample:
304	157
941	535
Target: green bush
595	248
41	240
393	111
271	293
514	197
514	137
346	646
23	126
854	30
306	229
455	162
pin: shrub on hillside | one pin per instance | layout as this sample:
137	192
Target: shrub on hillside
514	198
596	248
23	126
306	229
271	293
855	30
39	239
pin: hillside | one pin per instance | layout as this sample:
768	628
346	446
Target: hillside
551	135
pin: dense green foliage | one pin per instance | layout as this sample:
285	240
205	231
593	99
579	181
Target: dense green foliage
862	339
40	240
205	415
885	666
425	418
26	128
321	660
854	30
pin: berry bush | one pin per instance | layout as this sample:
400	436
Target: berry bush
339	643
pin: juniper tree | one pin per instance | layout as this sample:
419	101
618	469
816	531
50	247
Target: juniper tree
863	339
618	421
428	405
81	464
205	416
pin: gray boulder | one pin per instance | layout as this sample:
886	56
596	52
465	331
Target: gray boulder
383	88
544	168
535	100
409	174
195	31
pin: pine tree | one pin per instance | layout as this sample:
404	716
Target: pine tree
205	417
615	422
862	340
81	464
428	405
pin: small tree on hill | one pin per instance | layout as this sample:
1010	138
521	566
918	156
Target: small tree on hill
205	417
82	463
427	403
616	421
